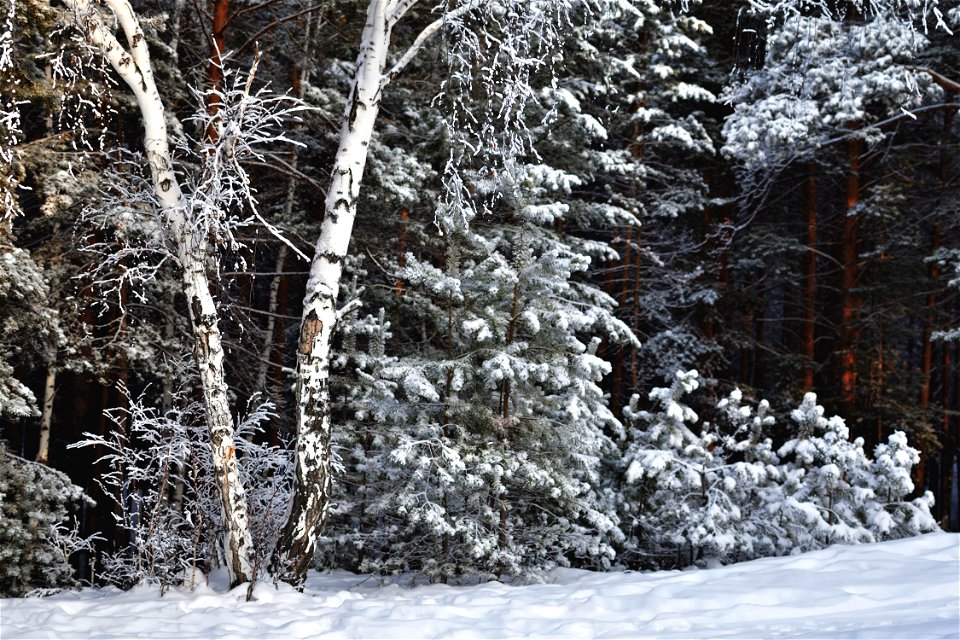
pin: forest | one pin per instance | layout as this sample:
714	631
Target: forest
472	289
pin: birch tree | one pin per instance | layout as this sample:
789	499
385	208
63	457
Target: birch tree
132	64
182	221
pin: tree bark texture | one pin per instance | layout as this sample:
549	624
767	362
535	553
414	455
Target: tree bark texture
312	481
810	281
221	16
134	67
46	415
849	305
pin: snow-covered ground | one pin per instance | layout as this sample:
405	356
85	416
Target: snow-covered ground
902	589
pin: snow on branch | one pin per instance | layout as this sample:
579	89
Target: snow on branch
428	32
9	118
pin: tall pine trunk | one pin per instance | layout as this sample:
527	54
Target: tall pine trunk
849	303
929	325
810	281
218	26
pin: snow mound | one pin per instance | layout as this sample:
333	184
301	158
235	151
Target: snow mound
902	589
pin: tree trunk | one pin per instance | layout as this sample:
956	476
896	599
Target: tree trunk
849	305
402	247
926	363
277	303
505	417
46	416
635	313
135	69
312	482
619	361
950	443
810	281
221	15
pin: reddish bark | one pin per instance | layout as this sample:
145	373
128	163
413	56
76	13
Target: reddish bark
619	361
926	365
402	247
850	302
810	280
221	16
635	313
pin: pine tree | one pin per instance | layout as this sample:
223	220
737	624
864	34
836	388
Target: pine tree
666	477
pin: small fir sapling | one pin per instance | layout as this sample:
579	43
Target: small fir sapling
750	472
835	493
895	516
741	498
665	475
35	542
826	480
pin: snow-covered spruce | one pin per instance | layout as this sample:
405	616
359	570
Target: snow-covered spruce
740	499
36	541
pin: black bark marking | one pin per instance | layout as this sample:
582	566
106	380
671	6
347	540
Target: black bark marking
197	309
352	116
332	257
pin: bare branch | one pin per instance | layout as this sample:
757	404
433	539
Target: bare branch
948	84
428	32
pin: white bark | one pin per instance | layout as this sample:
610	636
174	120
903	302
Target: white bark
132	63
312	481
46	415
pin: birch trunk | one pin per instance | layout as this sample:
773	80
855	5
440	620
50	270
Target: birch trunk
133	66
312	481
46	416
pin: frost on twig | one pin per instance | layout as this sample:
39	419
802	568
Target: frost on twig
247	125
495	55
160	477
9	117
218	197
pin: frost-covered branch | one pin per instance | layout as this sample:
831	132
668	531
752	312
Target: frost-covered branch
424	36
9	118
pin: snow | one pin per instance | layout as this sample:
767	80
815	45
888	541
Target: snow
902	589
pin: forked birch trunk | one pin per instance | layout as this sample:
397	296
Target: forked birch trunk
132	64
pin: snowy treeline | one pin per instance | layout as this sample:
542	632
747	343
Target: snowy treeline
386	284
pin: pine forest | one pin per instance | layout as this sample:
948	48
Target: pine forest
467	290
